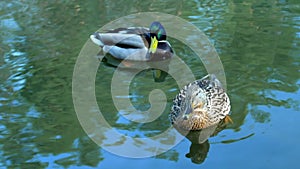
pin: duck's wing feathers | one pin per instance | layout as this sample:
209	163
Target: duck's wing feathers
124	43
133	54
131	37
130	30
116	39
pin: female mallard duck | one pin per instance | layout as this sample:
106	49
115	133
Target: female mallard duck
135	43
200	104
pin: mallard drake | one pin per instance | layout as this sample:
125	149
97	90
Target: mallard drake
135	43
200	104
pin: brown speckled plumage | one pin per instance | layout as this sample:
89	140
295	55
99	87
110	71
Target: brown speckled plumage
200	104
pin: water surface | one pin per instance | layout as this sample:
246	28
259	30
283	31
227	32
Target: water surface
257	41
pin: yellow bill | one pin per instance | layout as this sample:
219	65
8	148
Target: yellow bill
153	45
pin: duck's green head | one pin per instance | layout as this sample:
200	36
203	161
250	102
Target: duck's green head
157	33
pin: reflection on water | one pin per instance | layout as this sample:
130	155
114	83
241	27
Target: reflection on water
198	152
256	40
199	142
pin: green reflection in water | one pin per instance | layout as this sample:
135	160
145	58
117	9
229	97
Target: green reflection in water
258	43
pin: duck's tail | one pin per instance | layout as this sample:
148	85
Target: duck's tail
96	39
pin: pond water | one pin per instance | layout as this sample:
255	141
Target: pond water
257	42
